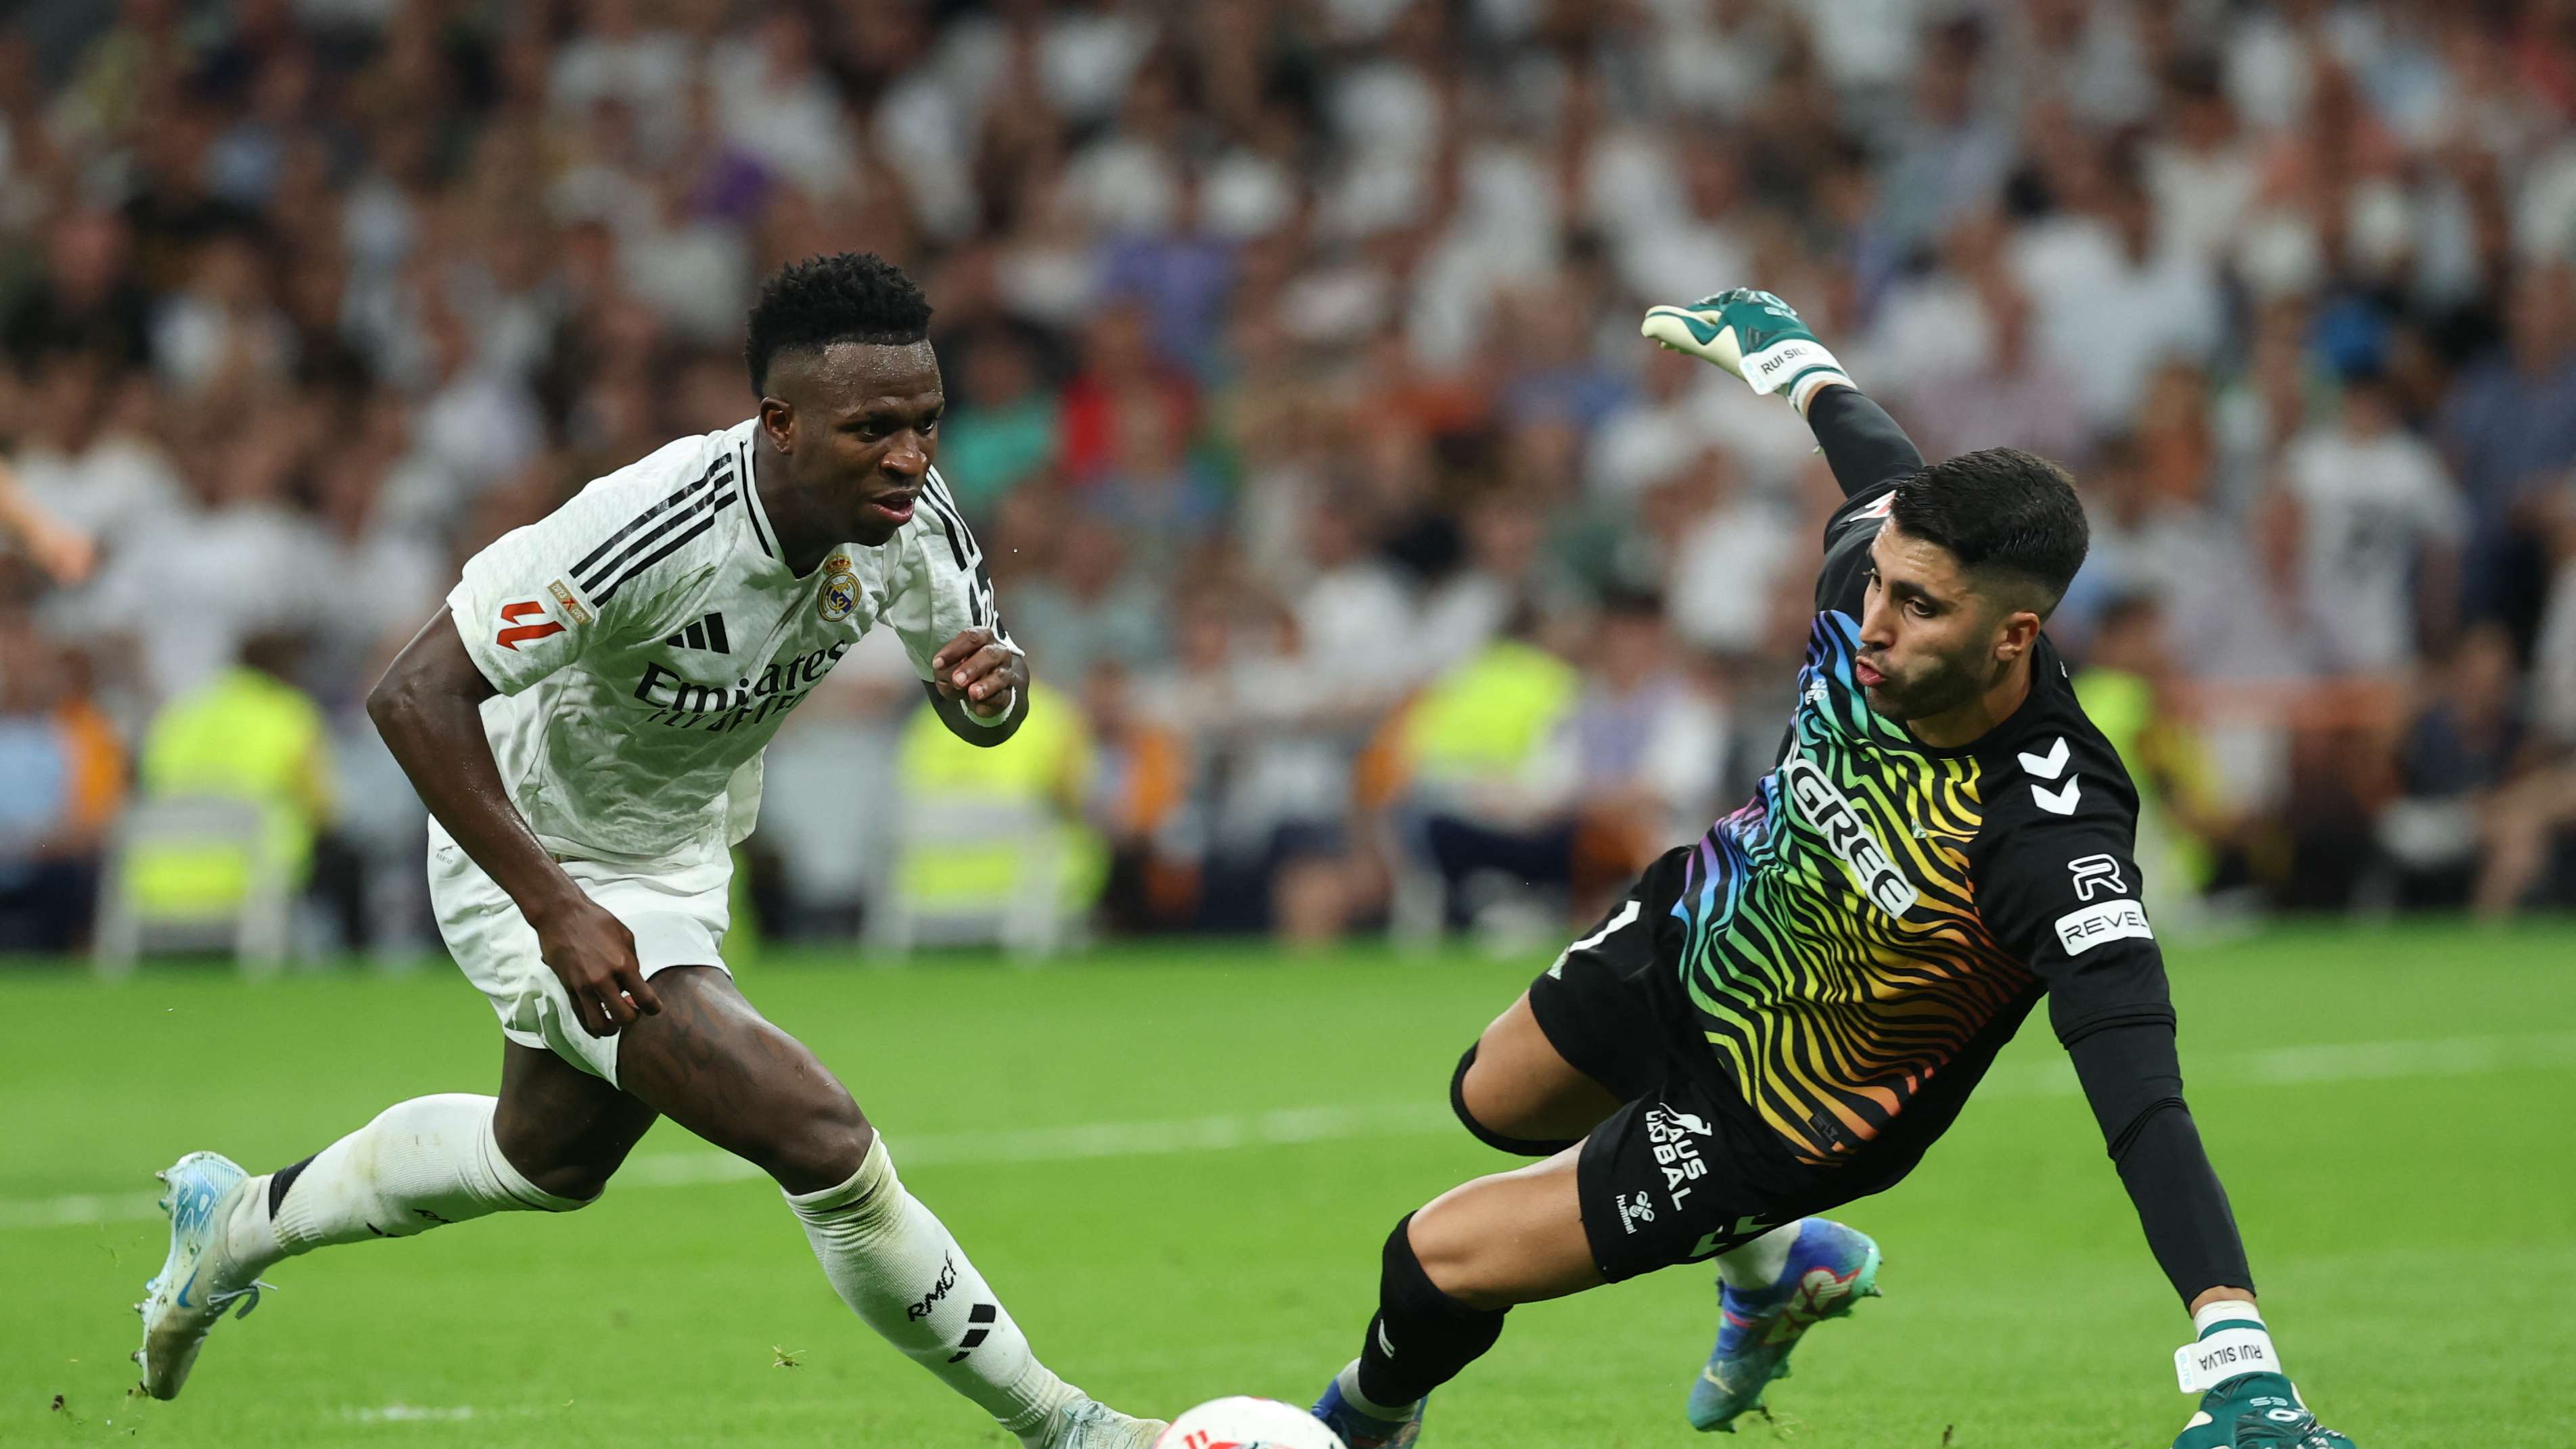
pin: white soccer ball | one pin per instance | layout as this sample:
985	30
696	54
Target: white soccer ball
1244	1422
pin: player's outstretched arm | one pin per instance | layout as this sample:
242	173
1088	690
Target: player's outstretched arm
2110	1004
428	707
2133	1078
1757	337
2058	884
979	687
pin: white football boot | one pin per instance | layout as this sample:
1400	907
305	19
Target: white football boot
198	1283
1084	1422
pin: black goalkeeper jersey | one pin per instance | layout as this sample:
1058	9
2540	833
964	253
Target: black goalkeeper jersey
1863	936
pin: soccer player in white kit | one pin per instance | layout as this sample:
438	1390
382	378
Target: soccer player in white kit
585	721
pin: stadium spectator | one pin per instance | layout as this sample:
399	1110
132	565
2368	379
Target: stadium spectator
62	774
246	734
2129	686
2509	428
1642	752
2380	529
1002	426
1319	319
2466	741
1037	840
1488	788
1137	799
88	299
1729	550
1091	607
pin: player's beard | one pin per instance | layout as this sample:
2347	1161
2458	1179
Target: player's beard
1943	683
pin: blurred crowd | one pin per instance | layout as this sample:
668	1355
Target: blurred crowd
1378	572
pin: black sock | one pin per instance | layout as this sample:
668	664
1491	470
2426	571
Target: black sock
1421	1338
282	1179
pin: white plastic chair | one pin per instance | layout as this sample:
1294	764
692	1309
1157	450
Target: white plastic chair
256	928
1029	917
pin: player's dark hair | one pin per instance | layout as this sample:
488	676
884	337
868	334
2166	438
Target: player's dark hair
845	297
2002	513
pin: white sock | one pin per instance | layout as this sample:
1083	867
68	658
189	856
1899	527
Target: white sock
899	1270
2226	1310
1758	1264
1349	1379
419	1164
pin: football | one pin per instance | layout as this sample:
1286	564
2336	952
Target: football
1244	1422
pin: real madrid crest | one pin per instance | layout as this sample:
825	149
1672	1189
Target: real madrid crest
840	592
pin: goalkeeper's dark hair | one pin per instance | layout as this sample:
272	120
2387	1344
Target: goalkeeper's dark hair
845	297
2006	515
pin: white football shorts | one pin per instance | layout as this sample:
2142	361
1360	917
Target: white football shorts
678	916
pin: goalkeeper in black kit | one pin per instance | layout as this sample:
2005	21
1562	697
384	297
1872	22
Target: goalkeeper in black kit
1783	1016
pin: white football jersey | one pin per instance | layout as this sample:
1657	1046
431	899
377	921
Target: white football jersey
647	639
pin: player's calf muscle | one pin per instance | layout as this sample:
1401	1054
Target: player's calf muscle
717	1067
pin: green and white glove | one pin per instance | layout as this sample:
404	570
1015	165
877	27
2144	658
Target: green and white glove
2245	1400
1753	335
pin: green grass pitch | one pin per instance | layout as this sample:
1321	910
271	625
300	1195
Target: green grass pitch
1178	1165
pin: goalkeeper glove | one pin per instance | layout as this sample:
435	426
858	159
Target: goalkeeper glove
2245	1402
1753	335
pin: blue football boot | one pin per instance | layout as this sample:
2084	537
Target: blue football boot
198	1282
1830	1269
1366	1431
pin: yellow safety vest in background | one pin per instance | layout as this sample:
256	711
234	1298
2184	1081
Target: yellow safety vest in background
244	735
1488	716
1042	767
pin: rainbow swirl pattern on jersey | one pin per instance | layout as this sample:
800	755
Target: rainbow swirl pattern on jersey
1834	950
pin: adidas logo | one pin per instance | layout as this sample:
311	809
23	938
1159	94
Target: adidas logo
979	1326
707	633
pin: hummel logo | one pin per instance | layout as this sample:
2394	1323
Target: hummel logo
2048	766
707	633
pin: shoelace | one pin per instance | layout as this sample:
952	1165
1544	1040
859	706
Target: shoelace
247	1294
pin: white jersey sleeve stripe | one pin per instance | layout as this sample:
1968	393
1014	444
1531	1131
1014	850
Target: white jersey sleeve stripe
946	502
947	529
759	529
968	554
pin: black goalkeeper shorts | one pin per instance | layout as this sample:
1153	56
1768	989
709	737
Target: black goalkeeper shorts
1685	1170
